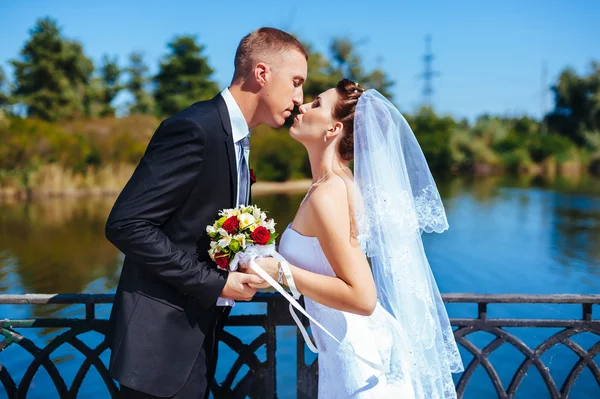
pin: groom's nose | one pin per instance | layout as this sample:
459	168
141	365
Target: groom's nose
298	97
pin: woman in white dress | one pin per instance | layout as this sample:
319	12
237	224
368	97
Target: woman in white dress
355	252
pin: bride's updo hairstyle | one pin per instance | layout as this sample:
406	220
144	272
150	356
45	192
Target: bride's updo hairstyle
349	92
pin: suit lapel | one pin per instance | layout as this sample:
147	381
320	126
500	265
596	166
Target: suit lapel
222	107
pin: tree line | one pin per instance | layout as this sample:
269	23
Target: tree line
58	110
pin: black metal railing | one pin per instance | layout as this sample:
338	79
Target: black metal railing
260	381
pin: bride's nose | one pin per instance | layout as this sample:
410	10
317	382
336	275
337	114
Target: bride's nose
303	108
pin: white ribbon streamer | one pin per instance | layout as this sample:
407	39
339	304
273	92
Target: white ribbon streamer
249	256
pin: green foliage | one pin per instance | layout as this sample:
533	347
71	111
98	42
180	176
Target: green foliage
509	143
577	104
75	146
138	80
71	115
348	64
320	76
275	156
342	61
109	75
433	134
52	74
4	89
517	159
544	146
184	77
490	129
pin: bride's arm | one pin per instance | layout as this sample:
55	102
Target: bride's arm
353	290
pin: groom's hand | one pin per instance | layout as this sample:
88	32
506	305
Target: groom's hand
269	265
237	286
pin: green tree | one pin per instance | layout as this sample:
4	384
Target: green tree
109	77
320	77
433	133
4	89
184	77
138	80
52	74
348	64
577	105
102	89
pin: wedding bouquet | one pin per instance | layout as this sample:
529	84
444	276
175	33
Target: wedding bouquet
238	231
244	234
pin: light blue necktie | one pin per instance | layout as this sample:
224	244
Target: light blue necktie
244	171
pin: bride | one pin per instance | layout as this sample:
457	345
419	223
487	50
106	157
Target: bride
355	252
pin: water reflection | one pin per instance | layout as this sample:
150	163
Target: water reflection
58	245
506	235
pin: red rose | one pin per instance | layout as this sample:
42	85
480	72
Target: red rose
221	260
252	177
231	224
261	235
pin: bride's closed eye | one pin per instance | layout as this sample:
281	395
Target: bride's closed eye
316	104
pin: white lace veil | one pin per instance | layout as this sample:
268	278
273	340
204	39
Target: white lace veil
395	201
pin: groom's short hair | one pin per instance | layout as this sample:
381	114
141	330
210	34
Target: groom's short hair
262	43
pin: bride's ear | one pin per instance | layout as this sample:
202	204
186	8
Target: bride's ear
335	129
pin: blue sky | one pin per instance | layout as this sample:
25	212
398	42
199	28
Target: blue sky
489	53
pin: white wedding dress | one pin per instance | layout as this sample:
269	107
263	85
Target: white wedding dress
341	373
406	348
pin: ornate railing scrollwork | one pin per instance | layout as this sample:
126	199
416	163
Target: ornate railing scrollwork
259	380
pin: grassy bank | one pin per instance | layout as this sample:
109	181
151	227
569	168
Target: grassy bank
94	157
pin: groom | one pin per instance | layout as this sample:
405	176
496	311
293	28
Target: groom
165	321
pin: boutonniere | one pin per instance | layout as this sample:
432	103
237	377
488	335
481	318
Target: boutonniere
252	177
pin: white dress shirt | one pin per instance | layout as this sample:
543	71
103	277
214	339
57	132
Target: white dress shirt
239	130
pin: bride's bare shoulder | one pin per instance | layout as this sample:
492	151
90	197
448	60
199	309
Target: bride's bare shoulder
330	200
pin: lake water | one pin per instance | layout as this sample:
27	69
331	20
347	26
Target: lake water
506	236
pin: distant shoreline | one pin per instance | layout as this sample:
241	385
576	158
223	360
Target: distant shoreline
258	189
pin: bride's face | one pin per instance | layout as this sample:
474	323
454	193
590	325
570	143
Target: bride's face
315	118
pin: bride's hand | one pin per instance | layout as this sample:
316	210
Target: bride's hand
266	266
269	265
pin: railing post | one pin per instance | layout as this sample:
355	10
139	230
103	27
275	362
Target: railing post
270	375
90	311
587	312
482	310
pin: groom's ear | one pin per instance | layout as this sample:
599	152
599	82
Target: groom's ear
261	73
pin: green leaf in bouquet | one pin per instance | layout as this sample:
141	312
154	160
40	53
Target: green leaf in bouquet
235	246
221	221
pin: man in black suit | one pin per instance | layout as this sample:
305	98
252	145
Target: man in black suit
171	301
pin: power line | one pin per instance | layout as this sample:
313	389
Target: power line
428	72
544	93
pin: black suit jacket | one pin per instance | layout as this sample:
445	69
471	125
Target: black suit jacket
167	292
